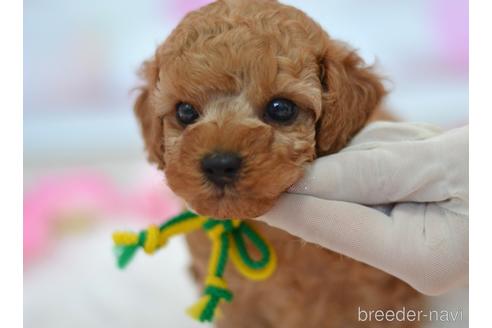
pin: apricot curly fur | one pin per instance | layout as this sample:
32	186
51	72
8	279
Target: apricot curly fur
228	59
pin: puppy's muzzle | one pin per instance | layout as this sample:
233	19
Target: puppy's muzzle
221	168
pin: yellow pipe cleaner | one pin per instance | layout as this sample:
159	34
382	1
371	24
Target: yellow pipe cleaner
228	240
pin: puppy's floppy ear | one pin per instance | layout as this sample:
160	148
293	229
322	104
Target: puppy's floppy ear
351	92
150	124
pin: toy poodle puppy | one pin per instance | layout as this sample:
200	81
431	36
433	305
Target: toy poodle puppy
237	101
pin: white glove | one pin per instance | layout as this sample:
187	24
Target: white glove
419	173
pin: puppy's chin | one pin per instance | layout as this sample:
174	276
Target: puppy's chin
230	207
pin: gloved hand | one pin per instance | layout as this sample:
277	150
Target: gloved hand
420	176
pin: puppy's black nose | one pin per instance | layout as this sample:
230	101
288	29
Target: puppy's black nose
221	168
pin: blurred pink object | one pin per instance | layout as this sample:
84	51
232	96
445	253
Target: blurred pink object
152	199
89	193
451	22
181	8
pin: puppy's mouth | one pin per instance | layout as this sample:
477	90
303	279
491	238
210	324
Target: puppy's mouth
241	198
221	194
228	207
228	185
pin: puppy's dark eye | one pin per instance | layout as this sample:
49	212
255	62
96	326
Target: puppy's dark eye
281	110
186	113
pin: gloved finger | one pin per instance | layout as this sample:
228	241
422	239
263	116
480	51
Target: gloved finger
430	170
399	244
390	132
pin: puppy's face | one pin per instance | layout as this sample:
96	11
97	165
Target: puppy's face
241	96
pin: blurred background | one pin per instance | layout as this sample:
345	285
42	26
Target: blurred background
85	173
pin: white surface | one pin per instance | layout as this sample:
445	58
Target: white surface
79	285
